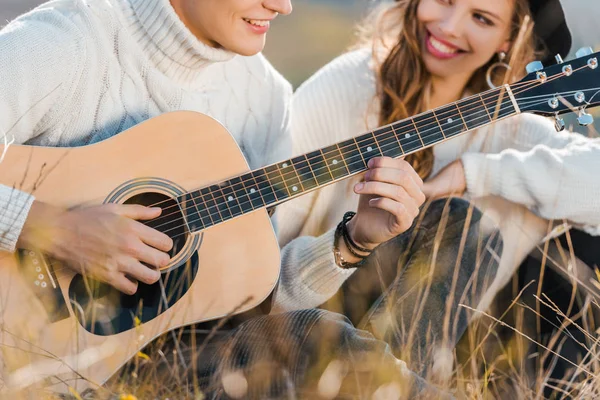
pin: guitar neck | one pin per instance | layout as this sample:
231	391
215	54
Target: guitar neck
277	183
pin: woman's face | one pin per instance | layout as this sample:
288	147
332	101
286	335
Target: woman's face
460	36
239	26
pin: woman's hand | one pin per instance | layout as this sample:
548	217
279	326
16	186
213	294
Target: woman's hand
105	242
390	198
448	182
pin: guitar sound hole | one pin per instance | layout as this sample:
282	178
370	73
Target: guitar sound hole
103	310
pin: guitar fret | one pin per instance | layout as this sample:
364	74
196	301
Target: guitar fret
431	131
406	135
388	142
290	178
240	191
353	158
417	130
265	187
221	202
305	172
485	107
368	147
335	162
277	182
319	167
438	122
230	199
253	192
503	107
190	211
211	206
474	115
451	120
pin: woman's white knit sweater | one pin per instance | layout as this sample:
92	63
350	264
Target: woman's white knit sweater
521	159
75	72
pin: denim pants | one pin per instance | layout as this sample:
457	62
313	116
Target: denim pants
407	296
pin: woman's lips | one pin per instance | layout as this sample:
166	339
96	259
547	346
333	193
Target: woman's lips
440	49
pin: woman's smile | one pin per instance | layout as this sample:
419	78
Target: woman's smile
440	48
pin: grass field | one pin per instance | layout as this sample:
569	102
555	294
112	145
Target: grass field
298	45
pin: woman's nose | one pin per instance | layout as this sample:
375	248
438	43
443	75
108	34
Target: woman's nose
452	24
283	7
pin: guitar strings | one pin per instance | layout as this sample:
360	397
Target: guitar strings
315	172
370	139
530	102
217	214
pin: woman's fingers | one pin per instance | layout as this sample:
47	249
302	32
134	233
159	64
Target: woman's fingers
404	216
398	178
387	162
390	191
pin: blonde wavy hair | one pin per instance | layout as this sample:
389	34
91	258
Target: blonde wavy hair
393	32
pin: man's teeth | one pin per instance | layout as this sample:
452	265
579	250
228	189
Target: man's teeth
257	22
439	46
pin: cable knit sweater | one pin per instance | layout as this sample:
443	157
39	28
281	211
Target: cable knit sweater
75	72
521	159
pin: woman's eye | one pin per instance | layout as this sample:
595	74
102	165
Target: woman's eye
483	20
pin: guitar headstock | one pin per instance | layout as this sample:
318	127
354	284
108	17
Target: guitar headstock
566	86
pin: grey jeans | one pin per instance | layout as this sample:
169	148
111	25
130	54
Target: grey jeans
407	296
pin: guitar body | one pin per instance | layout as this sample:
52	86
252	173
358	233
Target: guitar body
81	340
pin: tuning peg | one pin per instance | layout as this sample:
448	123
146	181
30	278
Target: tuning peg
584	52
534	66
559	59
559	124
585	119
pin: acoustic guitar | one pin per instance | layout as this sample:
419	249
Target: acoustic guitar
65	332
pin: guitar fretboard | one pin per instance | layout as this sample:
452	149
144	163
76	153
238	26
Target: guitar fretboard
288	179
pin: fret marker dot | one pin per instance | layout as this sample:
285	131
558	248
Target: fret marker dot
295	188
334	162
450	120
369	149
230	198
284	165
407	136
252	191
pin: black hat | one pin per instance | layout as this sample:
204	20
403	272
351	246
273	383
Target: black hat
551	27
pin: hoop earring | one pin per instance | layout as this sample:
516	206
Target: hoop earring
499	63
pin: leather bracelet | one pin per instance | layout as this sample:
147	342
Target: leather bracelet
352	246
339	260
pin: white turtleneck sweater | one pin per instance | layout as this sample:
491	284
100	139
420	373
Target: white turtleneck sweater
75	72
521	159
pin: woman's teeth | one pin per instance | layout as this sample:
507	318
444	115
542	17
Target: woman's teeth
257	22
441	47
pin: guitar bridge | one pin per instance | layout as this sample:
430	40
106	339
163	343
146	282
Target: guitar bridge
43	283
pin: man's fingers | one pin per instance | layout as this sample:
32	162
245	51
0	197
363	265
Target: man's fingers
153	237
124	284
136	211
140	272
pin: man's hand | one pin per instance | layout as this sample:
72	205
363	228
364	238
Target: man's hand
105	242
